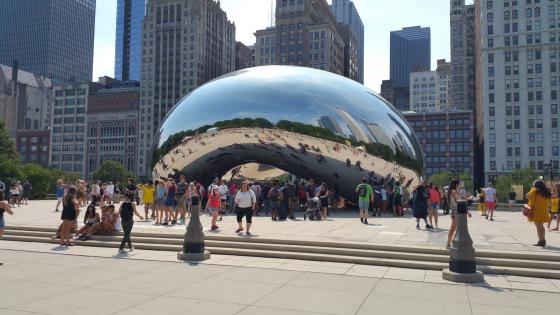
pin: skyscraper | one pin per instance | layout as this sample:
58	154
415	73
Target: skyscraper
346	13
463	55
410	51
306	34
184	44
51	38
128	43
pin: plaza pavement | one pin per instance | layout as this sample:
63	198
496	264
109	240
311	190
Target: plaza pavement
42	278
510	231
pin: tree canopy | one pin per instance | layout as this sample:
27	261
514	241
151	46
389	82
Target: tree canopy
112	171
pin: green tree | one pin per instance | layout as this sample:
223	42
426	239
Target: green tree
40	178
524	177
10	171
7	146
444	179
112	171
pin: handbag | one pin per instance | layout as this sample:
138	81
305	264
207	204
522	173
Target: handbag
527	211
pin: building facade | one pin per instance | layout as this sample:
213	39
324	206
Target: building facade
68	126
112	127
446	140
184	44
305	35
347	13
25	100
410	51
351	52
430	90
520	67
33	146
128	39
51	38
243	56
463	55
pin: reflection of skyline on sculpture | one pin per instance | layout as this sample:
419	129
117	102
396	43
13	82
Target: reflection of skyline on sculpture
334	114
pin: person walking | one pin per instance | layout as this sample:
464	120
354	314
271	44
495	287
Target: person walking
365	197
435	199
127	211
481	202
245	201
70	212
539	200
420	204
511	199
4	208
214	205
490	197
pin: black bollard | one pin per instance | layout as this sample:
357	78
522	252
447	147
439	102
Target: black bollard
193	244
462	263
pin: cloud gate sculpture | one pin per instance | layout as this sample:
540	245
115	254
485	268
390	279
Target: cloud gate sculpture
311	123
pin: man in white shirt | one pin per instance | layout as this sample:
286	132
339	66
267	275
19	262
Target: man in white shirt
111	191
256	188
95	193
490	197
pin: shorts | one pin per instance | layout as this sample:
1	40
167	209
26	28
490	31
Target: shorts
491	205
434	206
247	212
59	198
273	205
182	202
2	223
363	204
213	210
511	202
160	202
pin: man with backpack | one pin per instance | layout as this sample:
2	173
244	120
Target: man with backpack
292	199
273	198
365	197
398	200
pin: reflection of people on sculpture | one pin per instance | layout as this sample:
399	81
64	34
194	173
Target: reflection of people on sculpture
320	158
348	163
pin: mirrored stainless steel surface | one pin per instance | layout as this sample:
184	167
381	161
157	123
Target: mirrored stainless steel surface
308	122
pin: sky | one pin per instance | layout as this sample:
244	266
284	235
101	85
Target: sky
380	17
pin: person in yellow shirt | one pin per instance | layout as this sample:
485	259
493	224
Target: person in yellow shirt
539	199
149	198
554	209
481	202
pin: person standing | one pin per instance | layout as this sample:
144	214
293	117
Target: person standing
70	212
256	188
224	190
292	199
324	198
481	202
420	204
131	188
110	192
169	201
273	198
245	201
26	192
4	208
149	199
554	210
160	201
181	200
491	196
454	196
14	194
365	197
214	205
127	212
95	192
59	193
511	199
435	199
398	200
539	200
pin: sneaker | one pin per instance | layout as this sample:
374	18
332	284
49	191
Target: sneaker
429	227
121	250
182	221
491	219
131	249
362	220
173	222
365	222
418	226
238	230
165	223
486	217
248	233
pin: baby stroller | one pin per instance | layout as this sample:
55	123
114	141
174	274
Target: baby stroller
313	210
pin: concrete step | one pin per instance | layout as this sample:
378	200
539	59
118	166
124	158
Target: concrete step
488	269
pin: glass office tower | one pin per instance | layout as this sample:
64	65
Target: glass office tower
52	38
128	45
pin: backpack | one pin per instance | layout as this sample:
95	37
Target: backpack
291	191
398	191
362	190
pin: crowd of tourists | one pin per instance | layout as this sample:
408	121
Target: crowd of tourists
110	207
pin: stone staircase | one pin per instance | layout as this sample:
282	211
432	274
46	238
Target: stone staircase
541	265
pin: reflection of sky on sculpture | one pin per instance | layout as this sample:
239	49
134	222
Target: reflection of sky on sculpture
291	93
